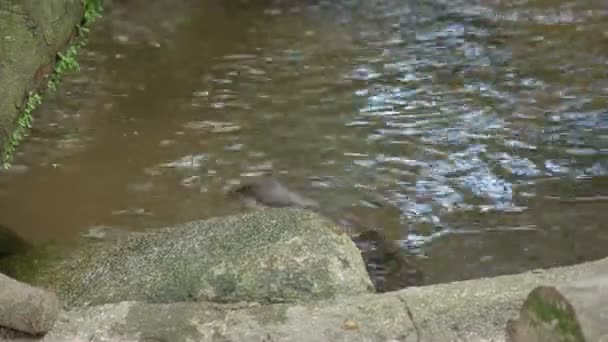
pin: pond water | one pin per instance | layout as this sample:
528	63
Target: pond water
475	133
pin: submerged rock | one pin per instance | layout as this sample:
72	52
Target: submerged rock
10	242
275	255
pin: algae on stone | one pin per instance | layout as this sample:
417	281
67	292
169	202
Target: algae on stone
275	255
34	34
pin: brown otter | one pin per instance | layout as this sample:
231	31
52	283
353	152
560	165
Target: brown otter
387	267
267	191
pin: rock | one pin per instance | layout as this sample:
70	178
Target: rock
273	255
32	34
26	308
472	311
573	312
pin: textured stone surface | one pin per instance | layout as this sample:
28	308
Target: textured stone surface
25	308
467	311
572	312
32	33
274	255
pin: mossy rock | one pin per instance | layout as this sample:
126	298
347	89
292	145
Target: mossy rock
274	255
569	313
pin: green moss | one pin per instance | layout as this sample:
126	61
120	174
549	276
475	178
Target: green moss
66	62
92	11
50	265
551	313
35	265
24	122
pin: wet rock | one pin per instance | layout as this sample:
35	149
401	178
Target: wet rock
274	255
26	308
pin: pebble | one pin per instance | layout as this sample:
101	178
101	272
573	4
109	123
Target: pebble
349	324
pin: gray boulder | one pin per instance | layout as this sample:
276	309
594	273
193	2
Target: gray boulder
26	308
274	255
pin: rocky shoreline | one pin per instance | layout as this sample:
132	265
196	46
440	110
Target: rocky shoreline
298	279
279	274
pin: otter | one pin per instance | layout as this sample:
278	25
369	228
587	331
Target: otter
267	191
387	267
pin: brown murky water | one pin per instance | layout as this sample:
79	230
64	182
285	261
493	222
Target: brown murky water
475	132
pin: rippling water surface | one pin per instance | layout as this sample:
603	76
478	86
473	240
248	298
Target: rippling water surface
474	132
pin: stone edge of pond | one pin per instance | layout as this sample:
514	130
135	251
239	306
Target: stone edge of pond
34	36
471	310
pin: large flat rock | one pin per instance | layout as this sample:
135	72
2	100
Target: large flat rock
273	255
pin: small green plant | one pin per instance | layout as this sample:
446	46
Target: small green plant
66	62
23	124
81	31
92	11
